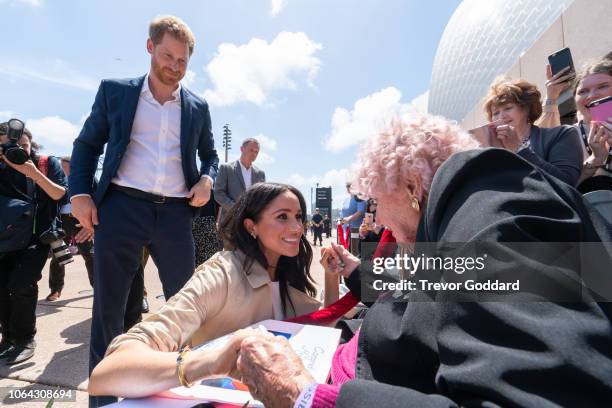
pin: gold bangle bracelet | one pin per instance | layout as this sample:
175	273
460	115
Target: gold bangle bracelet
180	360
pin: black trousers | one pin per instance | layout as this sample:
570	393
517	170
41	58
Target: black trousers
20	272
58	272
318	233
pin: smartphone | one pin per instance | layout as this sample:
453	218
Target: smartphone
560	60
369	218
601	109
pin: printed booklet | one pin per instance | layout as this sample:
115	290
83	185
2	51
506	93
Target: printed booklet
314	344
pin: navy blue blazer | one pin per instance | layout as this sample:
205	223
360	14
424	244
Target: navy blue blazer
110	124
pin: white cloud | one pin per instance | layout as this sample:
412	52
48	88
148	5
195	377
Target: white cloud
189	78
252	71
276	6
264	159
266	142
55	71
6	115
54	134
420	102
32	3
369	114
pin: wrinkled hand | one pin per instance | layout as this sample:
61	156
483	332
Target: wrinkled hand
225	360
600	139
84	210
199	194
273	372
337	260
508	137
83	235
558	83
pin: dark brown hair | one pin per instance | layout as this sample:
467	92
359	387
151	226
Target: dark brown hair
291	271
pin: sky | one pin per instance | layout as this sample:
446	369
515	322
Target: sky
310	79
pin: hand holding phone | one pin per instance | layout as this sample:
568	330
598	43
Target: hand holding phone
601	110
560	60
331	261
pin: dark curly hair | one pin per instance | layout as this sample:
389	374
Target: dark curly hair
293	271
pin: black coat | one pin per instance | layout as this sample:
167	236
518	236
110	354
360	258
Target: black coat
430	352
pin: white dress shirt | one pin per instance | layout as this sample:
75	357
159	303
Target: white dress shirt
152	160
246	175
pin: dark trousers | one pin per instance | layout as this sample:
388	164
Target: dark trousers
133	307
127	225
20	272
318	233
58	272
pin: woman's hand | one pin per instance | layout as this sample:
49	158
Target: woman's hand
337	260
558	83
225	361
273	372
600	138
508	137
28	168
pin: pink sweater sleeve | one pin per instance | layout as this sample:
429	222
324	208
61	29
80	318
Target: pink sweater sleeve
325	396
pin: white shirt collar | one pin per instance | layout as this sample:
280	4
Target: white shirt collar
244	168
145	89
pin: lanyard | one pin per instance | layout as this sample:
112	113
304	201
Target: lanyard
585	139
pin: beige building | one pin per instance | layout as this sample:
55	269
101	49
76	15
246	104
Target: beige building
521	35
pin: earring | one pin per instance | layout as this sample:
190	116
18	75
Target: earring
253	235
415	204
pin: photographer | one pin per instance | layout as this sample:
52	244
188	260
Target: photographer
21	269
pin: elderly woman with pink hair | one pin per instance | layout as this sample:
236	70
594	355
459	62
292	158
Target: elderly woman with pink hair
430	347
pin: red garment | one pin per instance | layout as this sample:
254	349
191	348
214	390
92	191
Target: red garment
343	237
386	246
329	314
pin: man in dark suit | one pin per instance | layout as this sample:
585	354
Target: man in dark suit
150	186
234	178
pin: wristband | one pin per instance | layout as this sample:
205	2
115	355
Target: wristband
180	367
306	397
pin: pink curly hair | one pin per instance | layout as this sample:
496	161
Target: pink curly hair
403	158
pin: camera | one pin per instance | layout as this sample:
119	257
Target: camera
11	150
54	237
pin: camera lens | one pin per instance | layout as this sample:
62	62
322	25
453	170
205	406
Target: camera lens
16	155
61	252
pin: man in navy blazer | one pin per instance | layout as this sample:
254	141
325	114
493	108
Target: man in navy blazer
150	187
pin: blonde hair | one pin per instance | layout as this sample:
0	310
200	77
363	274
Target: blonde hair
173	26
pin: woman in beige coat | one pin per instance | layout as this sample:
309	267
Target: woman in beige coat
266	277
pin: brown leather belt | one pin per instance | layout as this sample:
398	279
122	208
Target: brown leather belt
143	195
